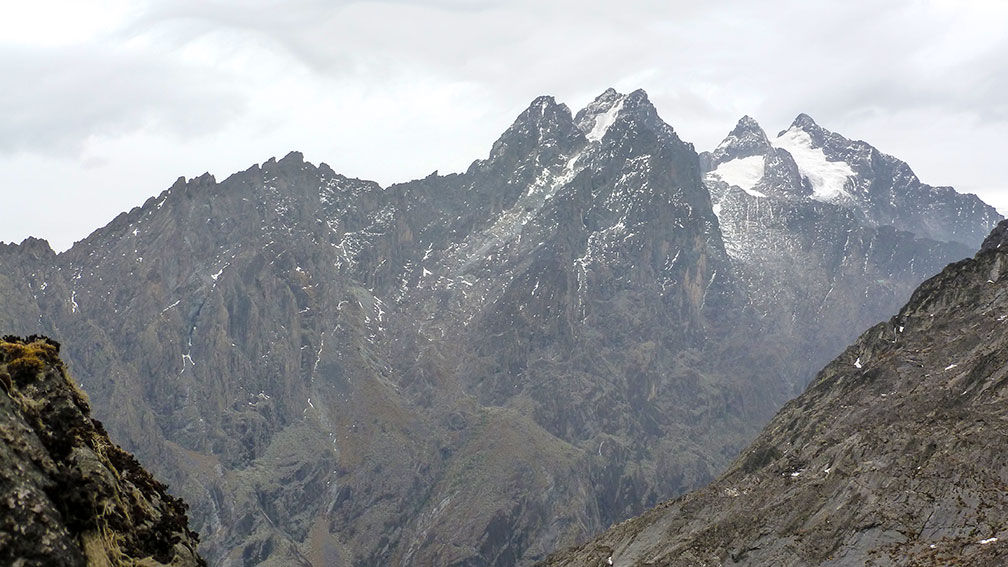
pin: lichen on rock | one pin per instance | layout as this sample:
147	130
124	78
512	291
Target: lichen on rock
68	495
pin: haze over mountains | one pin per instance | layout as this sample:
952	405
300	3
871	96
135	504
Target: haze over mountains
479	368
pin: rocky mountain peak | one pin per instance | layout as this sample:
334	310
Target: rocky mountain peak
804	121
37	247
638	105
595	119
293	157
613	119
747	139
885	190
544	124
376	369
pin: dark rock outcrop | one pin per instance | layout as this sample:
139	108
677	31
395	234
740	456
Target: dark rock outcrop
68	495
895	455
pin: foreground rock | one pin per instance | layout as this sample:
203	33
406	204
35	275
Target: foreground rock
68	495
896	454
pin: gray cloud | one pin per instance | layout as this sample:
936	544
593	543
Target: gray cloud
64	96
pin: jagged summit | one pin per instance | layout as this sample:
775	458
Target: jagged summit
807	161
611	107
595	119
803	121
31	244
545	123
746	140
338	373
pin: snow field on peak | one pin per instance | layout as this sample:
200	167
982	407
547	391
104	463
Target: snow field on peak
604	120
743	172
827	177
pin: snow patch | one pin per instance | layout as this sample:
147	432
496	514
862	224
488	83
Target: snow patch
603	121
988	540
827	177
743	172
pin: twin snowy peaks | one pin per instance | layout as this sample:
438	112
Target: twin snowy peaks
592	122
741	160
804	163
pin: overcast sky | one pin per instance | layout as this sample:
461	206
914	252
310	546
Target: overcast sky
106	103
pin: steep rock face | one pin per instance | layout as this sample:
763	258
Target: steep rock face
585	302
68	495
824	236
895	455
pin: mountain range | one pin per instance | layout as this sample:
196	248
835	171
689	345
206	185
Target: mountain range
478	368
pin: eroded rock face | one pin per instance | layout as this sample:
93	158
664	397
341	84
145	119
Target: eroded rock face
895	455
68	495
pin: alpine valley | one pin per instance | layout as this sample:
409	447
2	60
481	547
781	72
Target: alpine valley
480	368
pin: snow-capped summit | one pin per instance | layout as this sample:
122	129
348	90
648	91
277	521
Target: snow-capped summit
830	223
747	160
831	179
807	161
595	119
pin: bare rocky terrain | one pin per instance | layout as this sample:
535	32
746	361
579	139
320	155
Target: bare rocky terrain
68	495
